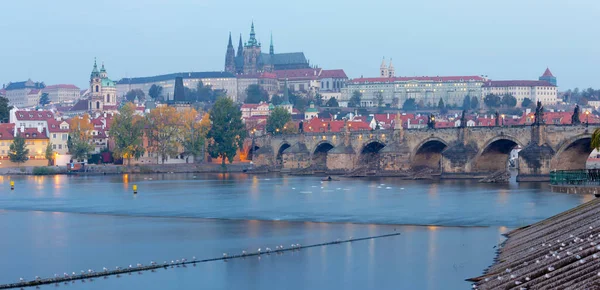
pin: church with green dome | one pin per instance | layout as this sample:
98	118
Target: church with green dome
103	91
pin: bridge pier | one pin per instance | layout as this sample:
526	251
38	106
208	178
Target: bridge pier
341	159
457	161
296	157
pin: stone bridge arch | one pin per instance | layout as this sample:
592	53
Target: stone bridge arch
279	152
428	154
572	153
494	154
368	155
319	154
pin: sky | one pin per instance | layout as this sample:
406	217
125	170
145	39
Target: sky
56	41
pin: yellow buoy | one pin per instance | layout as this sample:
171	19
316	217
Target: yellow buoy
12	185
135	189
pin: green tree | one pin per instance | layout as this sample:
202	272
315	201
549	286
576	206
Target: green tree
227	132
276	100
127	131
474	103
395	102
135	93
299	102
467	103
409	105
193	133
492	101
442	107
355	99
155	92
319	100
18	150
205	93
49	154
4	110
44	99
277	120
509	101
332	102
379	99
256	94
526	103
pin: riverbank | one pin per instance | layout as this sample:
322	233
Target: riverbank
561	252
107	169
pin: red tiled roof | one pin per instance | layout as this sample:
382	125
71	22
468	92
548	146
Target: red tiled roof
518	83
333	73
424	78
54	127
7	131
547	73
34	115
61	86
250	106
299	74
32	133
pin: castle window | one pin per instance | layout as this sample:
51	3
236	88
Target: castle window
97	88
108	98
97	105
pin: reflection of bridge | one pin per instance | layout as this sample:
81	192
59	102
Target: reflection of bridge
470	152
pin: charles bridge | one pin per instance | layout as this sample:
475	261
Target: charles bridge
461	152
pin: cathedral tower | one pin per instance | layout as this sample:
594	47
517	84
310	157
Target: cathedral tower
251	53
103	91
383	69
230	57
391	70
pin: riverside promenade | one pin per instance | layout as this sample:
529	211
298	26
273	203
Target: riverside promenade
561	252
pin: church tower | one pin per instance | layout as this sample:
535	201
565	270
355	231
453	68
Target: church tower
230	57
547	76
103	91
383	69
96	100
391	70
251	53
271	48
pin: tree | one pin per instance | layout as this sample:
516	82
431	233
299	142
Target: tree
276	100
256	94
467	103
4	110
193	133
332	103
277	120
509	101
409	105
163	130
44	99
319	100
442	107
355	99
492	101
205	93
127	131
526	103
135	93
80	137
18	150
298	102
155	92
379	99
395	102
474	103
290	128
227	132
49	154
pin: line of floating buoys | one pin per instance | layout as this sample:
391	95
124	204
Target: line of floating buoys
174	263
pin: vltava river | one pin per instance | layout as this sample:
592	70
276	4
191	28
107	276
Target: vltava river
52	225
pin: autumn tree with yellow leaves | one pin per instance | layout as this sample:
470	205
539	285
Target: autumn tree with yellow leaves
127	132
80	137
163	128
193	133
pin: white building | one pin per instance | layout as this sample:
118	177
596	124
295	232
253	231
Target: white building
542	91
218	80
428	90
24	94
62	93
103	96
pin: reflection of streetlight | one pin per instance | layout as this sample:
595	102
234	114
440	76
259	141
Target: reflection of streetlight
502	120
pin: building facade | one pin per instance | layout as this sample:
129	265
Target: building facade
428	90
24	94
218	80
62	93
58	133
103	90
541	91
251	60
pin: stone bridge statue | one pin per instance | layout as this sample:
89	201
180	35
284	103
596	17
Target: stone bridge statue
575	117
539	114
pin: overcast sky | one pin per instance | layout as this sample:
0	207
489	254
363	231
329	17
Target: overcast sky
56	41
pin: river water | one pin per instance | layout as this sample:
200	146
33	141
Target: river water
449	228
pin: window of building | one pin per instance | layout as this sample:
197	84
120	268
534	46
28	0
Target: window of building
54	146
59	146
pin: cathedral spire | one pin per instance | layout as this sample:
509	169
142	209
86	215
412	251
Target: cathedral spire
240	47
95	66
271	48
252	41
230	44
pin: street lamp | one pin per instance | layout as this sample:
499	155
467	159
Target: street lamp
502	120
587	118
